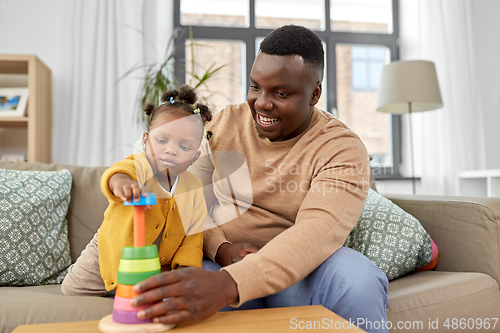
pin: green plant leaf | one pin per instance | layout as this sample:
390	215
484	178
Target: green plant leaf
159	76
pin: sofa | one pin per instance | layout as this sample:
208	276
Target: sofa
461	294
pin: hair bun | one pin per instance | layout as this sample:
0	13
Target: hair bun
187	94
205	113
167	94
149	108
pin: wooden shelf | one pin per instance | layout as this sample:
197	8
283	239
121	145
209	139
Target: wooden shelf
479	183
6	121
39	109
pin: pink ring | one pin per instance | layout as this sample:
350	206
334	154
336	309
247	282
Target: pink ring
126	317
123	304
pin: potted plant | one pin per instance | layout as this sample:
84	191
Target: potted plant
160	75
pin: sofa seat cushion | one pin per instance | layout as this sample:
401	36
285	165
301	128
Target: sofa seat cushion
431	295
28	305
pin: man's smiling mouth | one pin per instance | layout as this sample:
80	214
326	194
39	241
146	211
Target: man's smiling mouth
266	121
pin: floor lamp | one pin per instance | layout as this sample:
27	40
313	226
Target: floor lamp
407	87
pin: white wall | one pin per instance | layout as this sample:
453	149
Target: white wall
45	29
486	27
486	54
28	28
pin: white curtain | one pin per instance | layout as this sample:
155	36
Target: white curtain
450	139
103	126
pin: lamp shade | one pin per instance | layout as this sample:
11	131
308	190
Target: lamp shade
404	82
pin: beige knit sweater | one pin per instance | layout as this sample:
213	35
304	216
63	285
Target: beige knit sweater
297	200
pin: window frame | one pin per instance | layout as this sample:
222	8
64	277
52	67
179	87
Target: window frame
249	34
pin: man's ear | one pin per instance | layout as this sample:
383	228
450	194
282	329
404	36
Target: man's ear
316	94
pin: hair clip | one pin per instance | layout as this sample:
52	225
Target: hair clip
208	134
197	110
172	100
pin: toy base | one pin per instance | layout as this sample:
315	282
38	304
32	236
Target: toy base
107	325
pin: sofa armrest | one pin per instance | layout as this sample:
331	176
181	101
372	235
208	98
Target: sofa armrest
465	229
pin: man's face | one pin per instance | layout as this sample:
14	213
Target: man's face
283	91
172	144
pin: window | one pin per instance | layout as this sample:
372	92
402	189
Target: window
373	16
358	75
220	13
360	37
275	13
366	66
228	84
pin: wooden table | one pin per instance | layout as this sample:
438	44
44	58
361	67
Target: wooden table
276	320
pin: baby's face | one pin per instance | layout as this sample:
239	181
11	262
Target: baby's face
172	143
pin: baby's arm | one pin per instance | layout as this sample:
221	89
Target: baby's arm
123	187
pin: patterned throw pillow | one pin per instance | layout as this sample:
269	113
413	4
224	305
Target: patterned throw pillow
392	239
34	246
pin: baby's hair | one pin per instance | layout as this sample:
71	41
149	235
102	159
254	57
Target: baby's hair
180	102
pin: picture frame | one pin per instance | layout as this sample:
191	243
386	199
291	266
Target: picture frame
13	102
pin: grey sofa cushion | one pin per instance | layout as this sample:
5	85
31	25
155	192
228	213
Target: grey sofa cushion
34	245
34	302
391	238
87	205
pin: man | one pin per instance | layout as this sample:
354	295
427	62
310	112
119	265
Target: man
309	179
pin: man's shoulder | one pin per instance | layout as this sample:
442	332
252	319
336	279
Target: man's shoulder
229	124
331	137
328	126
230	114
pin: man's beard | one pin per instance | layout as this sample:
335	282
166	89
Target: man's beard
263	137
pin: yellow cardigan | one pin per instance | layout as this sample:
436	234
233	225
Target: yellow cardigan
184	214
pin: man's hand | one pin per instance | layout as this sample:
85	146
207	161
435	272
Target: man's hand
231	253
196	294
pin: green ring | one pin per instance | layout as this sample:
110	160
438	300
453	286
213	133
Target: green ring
139	265
143	252
134	278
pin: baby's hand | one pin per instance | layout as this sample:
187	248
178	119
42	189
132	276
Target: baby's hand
231	253
126	189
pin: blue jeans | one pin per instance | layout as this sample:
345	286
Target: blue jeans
347	283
